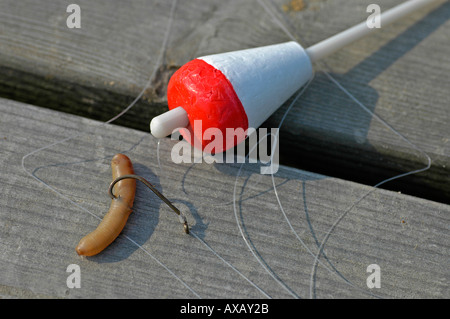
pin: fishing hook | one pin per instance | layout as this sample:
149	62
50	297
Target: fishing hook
182	218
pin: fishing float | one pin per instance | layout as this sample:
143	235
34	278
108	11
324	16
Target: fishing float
241	89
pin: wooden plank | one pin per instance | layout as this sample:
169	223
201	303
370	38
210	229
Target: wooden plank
396	74
241	245
400	73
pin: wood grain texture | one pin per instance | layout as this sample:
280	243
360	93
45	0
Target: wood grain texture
40	227
400	73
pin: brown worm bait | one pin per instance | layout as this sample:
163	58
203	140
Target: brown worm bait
112	224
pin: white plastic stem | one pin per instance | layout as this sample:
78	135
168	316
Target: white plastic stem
338	41
164	124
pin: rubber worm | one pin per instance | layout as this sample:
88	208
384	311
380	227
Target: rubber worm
116	218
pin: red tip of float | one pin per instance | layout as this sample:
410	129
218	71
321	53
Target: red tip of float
207	95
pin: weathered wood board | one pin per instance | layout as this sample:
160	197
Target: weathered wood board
400	73
241	245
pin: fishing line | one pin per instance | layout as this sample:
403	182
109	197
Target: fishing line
375	187
328	234
230	265
335	272
272	14
150	79
33	173
258	258
215	253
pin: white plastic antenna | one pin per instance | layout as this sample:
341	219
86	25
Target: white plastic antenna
338	41
164	124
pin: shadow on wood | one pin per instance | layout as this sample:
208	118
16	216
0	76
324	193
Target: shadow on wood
328	131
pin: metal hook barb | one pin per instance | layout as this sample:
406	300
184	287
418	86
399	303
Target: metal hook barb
149	185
